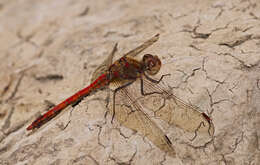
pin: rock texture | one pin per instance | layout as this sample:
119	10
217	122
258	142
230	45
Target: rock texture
49	49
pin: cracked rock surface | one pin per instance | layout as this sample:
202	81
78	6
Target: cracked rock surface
49	50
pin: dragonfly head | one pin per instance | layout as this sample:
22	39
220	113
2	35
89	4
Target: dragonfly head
152	64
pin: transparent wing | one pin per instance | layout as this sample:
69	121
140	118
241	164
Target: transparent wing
105	65
142	47
132	116
129	112
175	111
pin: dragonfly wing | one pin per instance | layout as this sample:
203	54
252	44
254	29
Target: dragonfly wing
175	111
105	65
108	61
130	114
142	47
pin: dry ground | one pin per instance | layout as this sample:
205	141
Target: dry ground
49	49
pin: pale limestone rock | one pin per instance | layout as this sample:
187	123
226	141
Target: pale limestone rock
210	48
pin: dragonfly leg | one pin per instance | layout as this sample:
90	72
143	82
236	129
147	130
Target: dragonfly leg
107	99
77	102
153	81
67	124
114	97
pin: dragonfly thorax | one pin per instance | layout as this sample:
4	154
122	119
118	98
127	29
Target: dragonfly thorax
151	63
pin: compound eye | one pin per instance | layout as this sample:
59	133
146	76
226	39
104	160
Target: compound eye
152	64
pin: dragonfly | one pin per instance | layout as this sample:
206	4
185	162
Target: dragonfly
123	69
122	77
